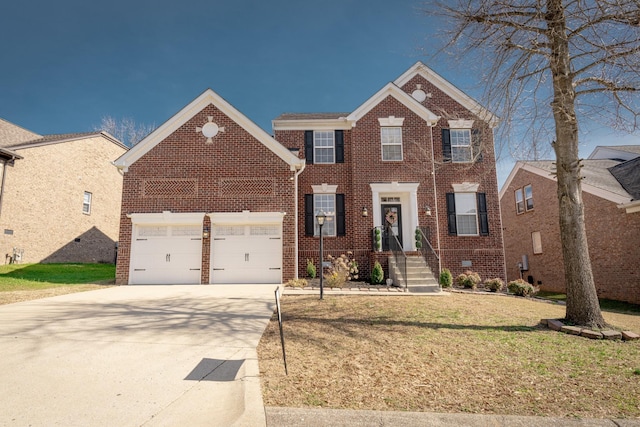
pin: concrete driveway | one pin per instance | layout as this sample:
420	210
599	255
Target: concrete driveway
135	356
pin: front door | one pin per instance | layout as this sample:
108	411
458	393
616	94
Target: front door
391	224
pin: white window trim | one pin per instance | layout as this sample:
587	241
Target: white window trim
383	144
325	189
315	147
88	211
458	214
525	198
466	187
391	121
515	195
469	147
460	124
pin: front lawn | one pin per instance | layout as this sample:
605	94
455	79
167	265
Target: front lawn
21	282
456	353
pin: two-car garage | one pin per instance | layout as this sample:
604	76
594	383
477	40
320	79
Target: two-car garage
167	248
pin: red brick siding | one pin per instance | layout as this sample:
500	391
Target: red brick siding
613	236
234	154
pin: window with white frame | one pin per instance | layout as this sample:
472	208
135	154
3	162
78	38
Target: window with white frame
466	214
391	143
528	197
461	151
86	203
519	201
324	147
327	204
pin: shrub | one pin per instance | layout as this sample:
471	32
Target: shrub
468	279
494	285
341	270
377	275
521	288
377	233
418	239
446	279
296	283
311	269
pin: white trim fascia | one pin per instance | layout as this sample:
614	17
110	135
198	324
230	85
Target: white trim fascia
188	112
312	124
631	207
461	124
466	187
166	217
449	89
324	189
391	121
404	98
587	188
246	217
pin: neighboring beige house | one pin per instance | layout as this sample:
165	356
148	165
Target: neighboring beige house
59	196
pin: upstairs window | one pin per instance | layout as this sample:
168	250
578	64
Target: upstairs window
519	201
391	143
528	197
524	199
86	203
324	147
461	146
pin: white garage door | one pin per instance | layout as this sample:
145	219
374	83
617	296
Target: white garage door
166	254
246	253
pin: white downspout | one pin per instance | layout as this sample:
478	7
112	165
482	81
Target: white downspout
435	196
295	202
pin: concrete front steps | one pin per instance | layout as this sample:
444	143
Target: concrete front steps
419	276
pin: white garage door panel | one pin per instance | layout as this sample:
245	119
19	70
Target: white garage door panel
246	258
165	260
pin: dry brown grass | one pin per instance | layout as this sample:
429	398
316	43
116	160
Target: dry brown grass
457	353
9	297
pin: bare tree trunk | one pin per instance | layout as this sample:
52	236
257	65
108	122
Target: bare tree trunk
583	307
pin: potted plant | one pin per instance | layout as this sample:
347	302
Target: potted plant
377	237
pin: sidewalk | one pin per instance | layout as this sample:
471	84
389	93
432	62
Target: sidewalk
311	417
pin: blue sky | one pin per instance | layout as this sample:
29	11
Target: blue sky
68	63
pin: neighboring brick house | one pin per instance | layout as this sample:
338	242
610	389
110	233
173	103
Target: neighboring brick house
418	145
59	196
611	196
209	197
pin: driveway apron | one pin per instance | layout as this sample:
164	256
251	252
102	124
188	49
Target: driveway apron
135	356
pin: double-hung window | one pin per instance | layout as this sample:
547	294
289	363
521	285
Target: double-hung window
524	199
467	213
324	147
519	201
461	151
528	197
325	203
391	143
86	203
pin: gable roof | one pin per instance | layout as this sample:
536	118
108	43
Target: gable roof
193	108
65	137
11	134
449	89
597	178
615	152
628	175
394	91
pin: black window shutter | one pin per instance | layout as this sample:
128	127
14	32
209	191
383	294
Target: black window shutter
451	213
339	135
446	144
308	146
341	220
476	143
309	217
482	213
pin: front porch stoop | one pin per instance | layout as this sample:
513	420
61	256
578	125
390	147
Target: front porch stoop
419	278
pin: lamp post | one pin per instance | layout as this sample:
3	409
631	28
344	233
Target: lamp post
321	217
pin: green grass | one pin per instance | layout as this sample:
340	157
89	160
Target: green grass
605	304
18	277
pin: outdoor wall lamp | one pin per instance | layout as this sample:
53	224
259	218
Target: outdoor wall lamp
320	218
205	232
427	210
365	212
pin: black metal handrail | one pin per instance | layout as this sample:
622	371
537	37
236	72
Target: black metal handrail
400	257
428	253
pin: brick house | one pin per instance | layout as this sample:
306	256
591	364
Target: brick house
59	196
611	195
241	204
